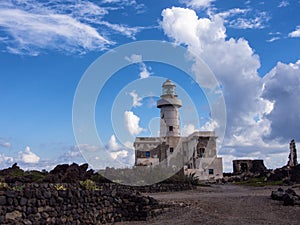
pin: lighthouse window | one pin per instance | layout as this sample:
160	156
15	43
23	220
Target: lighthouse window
210	171
171	149
147	154
170	128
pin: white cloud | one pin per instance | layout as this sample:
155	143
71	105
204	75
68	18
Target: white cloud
27	156
123	29
134	58
113	144
210	125
198	3
139	7
125	155
282	87
188	129
235	65
132	123
118	154
136	100
244	18
283	4
295	33
54	31
196	31
257	22
4	143
144	72
86	147
129	145
5	160
273	39
233	12
31	27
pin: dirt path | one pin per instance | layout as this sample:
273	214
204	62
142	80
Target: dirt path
224	204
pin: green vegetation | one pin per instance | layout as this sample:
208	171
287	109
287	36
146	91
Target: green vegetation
89	185
60	187
259	182
18	188
3	186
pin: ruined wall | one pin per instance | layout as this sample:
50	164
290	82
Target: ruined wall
293	154
248	166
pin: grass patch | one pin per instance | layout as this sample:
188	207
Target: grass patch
259	182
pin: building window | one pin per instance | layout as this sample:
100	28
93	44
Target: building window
170	128
171	149
210	171
147	154
244	167
200	152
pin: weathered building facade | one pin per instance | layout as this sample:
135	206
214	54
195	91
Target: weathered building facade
195	153
248	166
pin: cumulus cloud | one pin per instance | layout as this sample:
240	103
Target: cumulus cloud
132	123
282	87
235	65
295	33
144	72
118	154
123	154
27	156
136	100
113	144
188	129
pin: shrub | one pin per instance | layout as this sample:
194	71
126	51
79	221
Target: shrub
3	186
60	187
89	185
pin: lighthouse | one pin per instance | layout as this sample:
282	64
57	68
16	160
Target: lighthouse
195	153
169	105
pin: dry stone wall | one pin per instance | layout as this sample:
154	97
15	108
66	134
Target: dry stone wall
43	204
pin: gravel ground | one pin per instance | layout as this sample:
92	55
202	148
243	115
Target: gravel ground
224	204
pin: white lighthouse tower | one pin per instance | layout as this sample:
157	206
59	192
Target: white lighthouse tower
169	105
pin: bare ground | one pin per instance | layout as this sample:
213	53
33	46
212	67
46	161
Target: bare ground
224	204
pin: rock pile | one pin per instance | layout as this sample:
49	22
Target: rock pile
69	173
44	204
289	196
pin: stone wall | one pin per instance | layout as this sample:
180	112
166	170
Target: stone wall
160	187
248	166
44	204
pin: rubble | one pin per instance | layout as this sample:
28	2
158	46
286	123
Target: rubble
289	197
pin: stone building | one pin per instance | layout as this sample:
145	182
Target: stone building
248	166
195	153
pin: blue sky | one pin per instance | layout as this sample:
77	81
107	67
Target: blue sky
252	47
